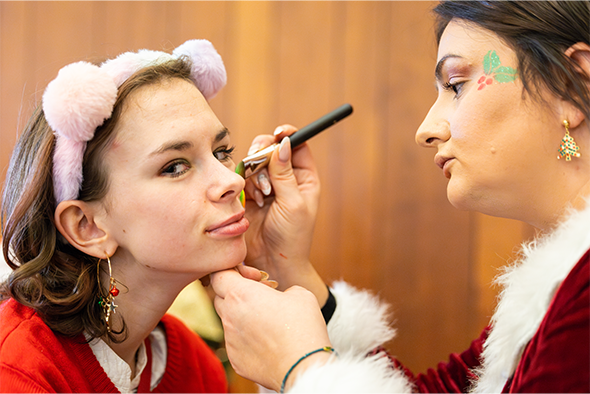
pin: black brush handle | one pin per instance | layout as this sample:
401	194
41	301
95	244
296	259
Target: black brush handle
319	125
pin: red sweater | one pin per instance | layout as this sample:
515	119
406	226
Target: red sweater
35	359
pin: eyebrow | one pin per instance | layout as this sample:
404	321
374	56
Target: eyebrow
221	135
185	145
174	145
440	64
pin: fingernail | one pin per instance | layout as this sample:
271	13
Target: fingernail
253	149
259	198
284	150
278	130
264	184
264	275
272	283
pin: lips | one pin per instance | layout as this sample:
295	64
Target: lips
231	227
444	162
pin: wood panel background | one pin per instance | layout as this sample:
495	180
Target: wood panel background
385	223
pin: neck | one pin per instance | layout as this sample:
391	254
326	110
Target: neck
578	201
144	297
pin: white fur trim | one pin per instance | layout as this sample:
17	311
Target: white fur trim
529	286
360	322
353	374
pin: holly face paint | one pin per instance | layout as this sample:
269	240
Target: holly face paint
494	71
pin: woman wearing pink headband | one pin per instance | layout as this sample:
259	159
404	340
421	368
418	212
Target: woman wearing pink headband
510	130
121	191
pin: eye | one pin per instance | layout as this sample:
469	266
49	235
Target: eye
456	87
176	168
224	153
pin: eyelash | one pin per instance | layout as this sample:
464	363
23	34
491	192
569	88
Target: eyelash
172	166
227	152
455	87
168	170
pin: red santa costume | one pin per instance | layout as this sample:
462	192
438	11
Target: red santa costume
538	340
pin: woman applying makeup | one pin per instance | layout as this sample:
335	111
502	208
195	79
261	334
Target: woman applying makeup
510	130
121	191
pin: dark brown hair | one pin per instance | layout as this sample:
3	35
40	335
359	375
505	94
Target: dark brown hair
539	32
49	275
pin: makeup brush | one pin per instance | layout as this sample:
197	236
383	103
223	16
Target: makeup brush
257	161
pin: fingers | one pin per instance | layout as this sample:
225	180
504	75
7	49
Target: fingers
251	273
231	282
222	282
257	275
284	131
281	171
259	186
260	142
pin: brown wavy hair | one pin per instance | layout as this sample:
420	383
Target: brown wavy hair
49	275
539	32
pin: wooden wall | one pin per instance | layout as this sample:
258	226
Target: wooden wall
385	223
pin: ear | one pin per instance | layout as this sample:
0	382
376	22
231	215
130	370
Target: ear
76	221
580	55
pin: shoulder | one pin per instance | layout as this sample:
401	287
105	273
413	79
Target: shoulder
557	359
21	329
573	295
31	354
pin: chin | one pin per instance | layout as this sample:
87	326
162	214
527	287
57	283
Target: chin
456	198
235	256
461	200
482	203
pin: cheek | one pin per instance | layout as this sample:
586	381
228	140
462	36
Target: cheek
157	217
485	115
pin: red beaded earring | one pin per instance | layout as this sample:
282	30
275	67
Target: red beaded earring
107	303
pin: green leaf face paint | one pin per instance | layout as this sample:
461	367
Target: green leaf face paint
490	61
494	71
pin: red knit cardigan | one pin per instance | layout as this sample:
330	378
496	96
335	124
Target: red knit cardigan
35	359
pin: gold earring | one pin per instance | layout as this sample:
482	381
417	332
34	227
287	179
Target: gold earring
568	147
107	303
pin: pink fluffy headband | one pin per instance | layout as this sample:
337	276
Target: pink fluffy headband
82	97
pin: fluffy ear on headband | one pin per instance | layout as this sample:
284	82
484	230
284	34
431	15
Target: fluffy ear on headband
82	97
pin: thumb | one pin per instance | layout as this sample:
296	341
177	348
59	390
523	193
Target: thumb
281	173
222	282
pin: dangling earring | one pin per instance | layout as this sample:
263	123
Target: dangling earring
568	147
107	303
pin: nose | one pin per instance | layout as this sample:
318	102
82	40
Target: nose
226	185
435	129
